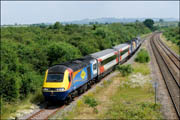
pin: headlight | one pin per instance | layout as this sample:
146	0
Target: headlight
60	89
45	89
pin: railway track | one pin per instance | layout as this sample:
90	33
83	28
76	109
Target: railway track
45	113
48	111
168	64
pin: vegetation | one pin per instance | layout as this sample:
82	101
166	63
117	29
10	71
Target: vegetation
124	98
91	102
163	24
172	34
141	68
28	51
149	23
142	56
171	45
125	69
133	107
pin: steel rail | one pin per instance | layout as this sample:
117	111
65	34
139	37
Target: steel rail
167	78
176	59
171	69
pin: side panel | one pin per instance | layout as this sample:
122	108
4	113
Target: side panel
113	60
110	64
80	77
124	56
89	72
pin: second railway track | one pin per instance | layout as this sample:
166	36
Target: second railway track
167	69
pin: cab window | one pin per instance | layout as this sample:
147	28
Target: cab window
69	78
55	78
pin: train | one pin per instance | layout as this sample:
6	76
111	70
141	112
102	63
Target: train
67	80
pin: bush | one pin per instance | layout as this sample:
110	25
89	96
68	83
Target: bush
91	102
125	69
172	34
142	56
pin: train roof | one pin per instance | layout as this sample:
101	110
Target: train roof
74	65
102	53
121	46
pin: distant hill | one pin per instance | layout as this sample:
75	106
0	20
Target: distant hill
114	20
97	20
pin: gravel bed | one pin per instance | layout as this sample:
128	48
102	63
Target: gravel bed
163	97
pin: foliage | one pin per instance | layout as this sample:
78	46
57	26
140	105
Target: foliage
172	34
141	68
142	56
91	102
149	23
61	52
26	52
125	69
133	103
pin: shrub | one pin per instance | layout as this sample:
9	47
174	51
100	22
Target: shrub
142	56
125	69
91	102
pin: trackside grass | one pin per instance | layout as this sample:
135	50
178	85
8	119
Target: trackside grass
125	97
171	45
17	108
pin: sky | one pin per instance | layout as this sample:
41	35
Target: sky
28	12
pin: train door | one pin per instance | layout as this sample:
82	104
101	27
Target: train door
89	72
94	68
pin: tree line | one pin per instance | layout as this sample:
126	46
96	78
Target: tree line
172	34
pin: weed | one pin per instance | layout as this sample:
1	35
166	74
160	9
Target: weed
79	103
107	82
141	68
91	102
142	56
125	69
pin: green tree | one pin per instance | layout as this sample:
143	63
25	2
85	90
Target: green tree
57	25
161	20
149	23
61	52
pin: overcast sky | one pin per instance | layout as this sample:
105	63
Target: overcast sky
22	12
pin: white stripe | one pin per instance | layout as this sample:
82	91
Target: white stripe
110	64
124	56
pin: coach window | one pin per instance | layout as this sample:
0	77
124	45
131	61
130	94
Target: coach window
109	59
124	51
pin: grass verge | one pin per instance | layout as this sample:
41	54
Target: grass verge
171	45
10	110
125	97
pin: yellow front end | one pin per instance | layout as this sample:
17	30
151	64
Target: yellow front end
64	84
